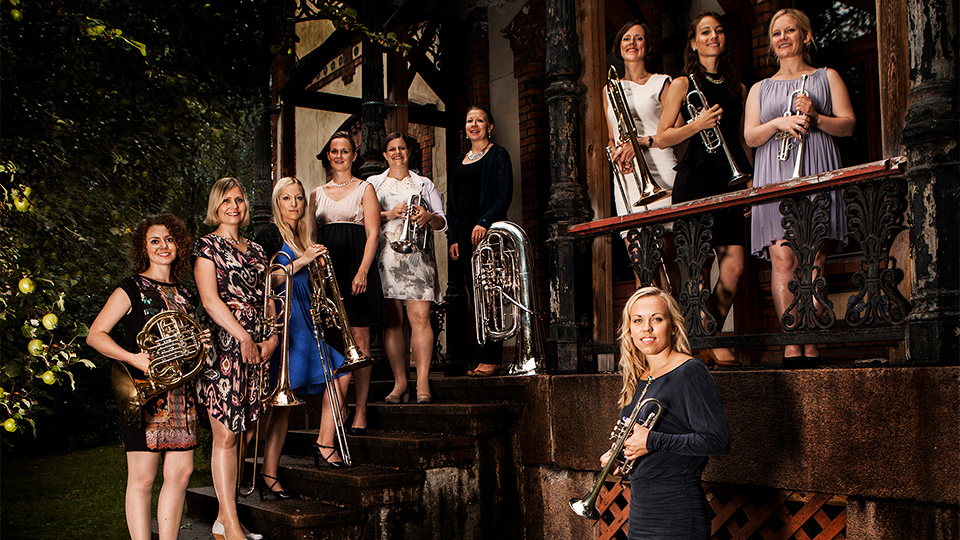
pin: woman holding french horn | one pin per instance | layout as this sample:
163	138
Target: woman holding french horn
715	159
792	118
411	210
667	459
229	272
168	422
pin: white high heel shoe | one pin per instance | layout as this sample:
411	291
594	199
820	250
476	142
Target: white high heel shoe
218	530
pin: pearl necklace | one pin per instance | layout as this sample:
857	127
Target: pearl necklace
341	184
473	157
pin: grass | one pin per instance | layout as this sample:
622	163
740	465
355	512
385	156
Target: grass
72	495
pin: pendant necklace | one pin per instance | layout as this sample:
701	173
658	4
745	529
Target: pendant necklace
473	157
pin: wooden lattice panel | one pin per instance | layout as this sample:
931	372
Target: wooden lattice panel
743	514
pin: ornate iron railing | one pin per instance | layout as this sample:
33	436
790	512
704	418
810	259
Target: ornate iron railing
873	195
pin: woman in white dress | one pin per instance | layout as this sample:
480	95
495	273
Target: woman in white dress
643	92
408	279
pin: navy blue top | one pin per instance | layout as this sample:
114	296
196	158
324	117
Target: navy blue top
496	191
691	427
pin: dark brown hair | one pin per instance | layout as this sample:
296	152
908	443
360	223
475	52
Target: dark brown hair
325	160
176	228
725	63
651	46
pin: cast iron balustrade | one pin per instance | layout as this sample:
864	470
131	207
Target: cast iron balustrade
874	203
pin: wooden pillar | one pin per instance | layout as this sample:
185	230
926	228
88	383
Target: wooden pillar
567	204
399	86
371	88
894	63
933	182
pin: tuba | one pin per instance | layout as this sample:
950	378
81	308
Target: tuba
646	184
411	236
505	295
172	339
328	308
259	374
587	506
786	140
712	138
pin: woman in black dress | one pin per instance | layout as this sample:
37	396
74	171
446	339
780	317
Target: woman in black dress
701	173
478	195
666	498
159	249
230	273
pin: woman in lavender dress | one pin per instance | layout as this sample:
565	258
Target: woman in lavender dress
822	115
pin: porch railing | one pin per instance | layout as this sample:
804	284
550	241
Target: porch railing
873	195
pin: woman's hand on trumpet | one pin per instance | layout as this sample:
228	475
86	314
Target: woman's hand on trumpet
636	444
794	124
708	119
805	107
420	216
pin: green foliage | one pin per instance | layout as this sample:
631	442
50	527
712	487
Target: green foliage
112	109
345	17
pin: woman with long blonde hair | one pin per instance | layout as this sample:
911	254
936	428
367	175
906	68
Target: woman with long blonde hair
666	498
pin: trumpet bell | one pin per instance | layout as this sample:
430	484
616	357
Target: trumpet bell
403	246
582	508
655	196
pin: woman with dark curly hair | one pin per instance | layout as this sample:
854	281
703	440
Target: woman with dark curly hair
160	249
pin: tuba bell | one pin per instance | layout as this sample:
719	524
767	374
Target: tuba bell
646	184
712	138
172	339
505	295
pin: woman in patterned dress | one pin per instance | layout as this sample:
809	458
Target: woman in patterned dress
822	115
159	249
408	279
229	271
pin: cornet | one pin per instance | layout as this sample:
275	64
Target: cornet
411	236
505	295
646	184
712	137
587	506
786	140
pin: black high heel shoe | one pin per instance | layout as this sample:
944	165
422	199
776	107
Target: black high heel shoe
280	495
318	455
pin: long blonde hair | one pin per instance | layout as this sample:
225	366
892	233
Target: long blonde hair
632	361
303	230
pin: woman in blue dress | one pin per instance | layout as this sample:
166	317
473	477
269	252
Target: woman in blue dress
289	233
666	497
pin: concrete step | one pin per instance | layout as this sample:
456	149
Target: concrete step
359	486
400	449
445	418
294	519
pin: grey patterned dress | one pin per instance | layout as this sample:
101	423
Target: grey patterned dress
410	276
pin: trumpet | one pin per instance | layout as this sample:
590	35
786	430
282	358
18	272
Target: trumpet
587	506
646	183
172	339
712	138
259	374
411	236
505	295
786	140
329	309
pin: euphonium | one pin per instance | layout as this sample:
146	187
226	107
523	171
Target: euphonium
172	339
259	374
587	506
330	307
646	184
505	295
786	140
712	138
411	236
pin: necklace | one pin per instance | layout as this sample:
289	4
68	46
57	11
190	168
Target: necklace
341	184
473	157
231	240
714	80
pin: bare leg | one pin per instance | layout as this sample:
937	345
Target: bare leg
783	265
810	350
730	260
421	337
177	468
141	474
361	376
223	468
396	346
277	426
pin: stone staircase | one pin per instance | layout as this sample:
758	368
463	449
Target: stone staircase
441	470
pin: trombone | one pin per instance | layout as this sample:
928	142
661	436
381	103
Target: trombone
712	137
786	140
646	184
259	374
329	308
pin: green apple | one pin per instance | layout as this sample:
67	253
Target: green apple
10	425
50	321
48	377
35	347
26	285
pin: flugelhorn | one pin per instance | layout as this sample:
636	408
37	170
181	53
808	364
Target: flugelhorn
411	236
328	308
712	138
259	374
785	138
587	506
505	295
172	340
646	184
